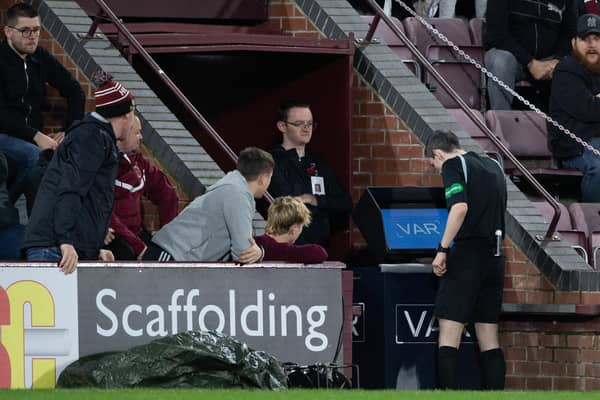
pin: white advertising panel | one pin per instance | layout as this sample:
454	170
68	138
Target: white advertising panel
38	326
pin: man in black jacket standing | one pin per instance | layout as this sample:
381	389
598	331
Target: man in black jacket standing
575	104
73	206
304	175
25	69
524	40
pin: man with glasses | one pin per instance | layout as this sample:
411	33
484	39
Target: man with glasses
306	176
25	69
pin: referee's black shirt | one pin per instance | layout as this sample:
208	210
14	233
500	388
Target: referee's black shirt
484	192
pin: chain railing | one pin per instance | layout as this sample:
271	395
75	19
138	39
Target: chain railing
380	15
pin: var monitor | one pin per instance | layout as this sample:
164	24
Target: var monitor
401	224
414	228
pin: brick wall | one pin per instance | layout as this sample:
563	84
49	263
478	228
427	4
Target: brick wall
56	107
541	353
552	355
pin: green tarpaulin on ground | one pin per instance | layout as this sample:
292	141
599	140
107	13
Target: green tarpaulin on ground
189	359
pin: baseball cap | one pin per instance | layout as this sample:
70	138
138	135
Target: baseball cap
588	23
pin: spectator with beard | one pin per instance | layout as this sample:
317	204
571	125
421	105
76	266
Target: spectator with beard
575	104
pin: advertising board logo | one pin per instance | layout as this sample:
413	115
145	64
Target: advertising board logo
258	319
416	324
38	326
414	228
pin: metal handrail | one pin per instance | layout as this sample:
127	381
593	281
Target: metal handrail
379	15
147	58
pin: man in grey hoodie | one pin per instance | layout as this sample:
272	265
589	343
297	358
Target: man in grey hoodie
217	226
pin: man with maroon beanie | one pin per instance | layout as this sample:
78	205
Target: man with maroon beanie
72	209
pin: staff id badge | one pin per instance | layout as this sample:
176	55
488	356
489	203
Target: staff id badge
318	185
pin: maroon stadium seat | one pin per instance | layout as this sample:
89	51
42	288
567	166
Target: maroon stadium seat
586	217
384	32
463	120
454	29
465	79
475	30
526	137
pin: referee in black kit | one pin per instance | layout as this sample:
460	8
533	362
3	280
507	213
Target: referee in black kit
472	270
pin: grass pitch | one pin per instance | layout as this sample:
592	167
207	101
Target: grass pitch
201	394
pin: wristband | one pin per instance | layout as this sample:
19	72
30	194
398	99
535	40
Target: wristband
442	249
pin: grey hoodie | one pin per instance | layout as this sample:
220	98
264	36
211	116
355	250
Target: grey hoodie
215	226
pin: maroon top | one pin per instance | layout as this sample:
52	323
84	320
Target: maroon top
305	254
138	177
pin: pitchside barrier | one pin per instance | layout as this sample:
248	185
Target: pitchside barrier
48	320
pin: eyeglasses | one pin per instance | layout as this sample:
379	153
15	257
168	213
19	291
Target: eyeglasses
303	124
27	32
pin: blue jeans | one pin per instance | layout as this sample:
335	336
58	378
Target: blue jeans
589	164
10	240
43	254
25	154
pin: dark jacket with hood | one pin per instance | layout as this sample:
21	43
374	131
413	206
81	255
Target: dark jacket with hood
574	105
75	199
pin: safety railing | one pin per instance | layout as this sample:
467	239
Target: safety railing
106	14
379	15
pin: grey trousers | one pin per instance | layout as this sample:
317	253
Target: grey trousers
505	66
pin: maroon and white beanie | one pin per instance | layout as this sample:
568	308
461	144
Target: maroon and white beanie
112	99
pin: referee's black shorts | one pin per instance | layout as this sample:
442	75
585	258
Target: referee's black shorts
471	288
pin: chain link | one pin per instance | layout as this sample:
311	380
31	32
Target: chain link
496	80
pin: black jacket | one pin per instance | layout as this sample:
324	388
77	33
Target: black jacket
291	178
530	28
9	215
22	97
574	105
75	199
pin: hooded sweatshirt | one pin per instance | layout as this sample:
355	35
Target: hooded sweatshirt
216	226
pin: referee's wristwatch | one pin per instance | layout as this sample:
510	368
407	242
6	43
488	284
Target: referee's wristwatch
442	249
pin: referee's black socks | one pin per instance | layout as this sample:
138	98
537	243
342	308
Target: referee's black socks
493	369
447	367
